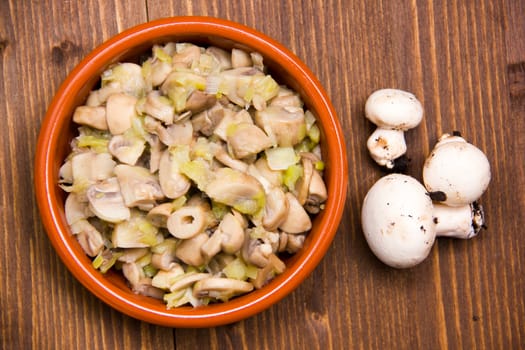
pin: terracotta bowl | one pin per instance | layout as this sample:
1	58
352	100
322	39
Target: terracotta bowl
57	131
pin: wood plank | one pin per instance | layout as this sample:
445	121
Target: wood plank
42	305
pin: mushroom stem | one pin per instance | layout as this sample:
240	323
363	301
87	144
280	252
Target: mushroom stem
385	146
459	222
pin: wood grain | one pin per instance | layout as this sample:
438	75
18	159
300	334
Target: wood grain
465	60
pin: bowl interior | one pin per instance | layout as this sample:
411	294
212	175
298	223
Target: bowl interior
58	130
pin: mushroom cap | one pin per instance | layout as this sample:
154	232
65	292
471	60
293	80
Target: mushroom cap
394	109
458	169
397	221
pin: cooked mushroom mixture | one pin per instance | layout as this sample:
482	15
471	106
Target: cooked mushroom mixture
193	173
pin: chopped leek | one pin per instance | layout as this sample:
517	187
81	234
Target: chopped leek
291	175
281	158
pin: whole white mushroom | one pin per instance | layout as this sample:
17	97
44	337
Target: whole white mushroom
400	222
456	172
393	111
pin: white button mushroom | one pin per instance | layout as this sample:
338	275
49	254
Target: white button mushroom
393	111
397	221
457	171
400	222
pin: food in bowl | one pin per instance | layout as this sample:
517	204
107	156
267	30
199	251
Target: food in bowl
193	171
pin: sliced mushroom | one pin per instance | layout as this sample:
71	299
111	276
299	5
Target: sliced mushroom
89	238
185	55
164	278
223	57
126	148
160	107
240	58
257	61
236	189
136	232
294	243
275	209
241	218
163	256
106	201
286	97
155	153
91	167
138	186
231	119
297	220
246	139
149	290
159	68
273	267
317	193
159	215
235	83
179	85
120	111
274	177
212	246
199	200
286	125
199	101
98	97
188	280
133	254
232	234
94	117
175	134
189	250
180	133
222	156
173	183
139	282
256	251
220	288
187	222
206	121
127	76
303	183
276	204
76	209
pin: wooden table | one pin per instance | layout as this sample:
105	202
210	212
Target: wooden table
465	60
